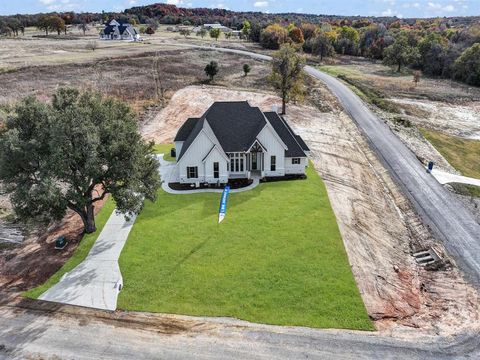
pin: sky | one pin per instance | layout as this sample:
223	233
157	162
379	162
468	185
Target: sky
399	8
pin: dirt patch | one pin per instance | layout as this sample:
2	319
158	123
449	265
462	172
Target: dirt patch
458	120
35	260
378	226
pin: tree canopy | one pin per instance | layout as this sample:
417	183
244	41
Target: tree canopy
287	74
73	152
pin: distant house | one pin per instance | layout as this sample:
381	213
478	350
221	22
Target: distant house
115	30
217	26
234	140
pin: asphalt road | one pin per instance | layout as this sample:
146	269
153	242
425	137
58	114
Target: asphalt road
59	335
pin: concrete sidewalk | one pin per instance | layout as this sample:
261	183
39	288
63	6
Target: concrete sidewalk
445	178
95	282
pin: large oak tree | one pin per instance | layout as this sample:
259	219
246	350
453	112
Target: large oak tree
73	152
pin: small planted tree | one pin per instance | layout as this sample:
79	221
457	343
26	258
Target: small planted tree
71	154
215	34
202	33
92	45
83	26
185	32
287	74
417	74
246	69
150	30
211	70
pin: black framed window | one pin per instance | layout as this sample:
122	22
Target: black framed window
216	171
295	161
237	167
192	172
273	163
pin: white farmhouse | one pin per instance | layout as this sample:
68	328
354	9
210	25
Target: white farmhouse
119	31
234	140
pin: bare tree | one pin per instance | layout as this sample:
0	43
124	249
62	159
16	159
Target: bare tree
84	27
91	45
416	77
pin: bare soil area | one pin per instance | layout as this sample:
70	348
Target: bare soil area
130	78
33	261
378	226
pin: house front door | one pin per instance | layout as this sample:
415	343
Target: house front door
254	162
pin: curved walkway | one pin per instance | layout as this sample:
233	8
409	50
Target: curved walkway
166	173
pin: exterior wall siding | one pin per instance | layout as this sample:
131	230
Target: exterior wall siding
178	147
193	157
274	147
295	168
216	156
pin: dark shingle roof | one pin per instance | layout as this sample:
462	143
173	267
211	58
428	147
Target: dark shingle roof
109	29
193	134
302	143
286	134
186	129
236	126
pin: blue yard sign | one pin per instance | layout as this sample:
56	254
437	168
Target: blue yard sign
223	204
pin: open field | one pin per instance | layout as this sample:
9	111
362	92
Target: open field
462	154
80	253
277	258
130	77
34	49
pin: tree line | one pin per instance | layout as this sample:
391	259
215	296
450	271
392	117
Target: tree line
434	47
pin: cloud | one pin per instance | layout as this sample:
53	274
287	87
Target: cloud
260	4
440	7
60	5
174	2
219	6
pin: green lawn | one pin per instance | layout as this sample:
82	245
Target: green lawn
80	253
462	154
277	258
164	149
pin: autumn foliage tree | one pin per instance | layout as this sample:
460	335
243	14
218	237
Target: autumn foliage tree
296	35
273	36
287	74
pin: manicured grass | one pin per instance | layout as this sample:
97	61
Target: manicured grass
462	154
277	258
80	253
466	189
164	149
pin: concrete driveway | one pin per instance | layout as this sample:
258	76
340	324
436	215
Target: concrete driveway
96	281
445	178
